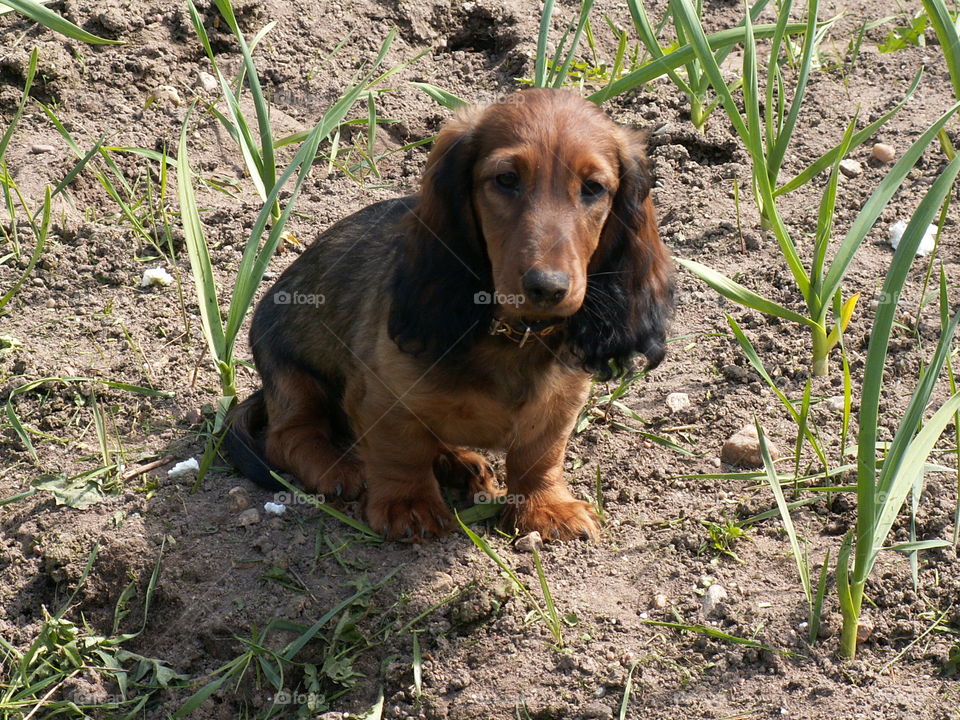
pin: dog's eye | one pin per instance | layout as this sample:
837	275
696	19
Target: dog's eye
507	181
592	190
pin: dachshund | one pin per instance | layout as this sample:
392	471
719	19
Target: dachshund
469	316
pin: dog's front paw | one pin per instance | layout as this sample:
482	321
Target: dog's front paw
556	515
406	517
467	469
342	479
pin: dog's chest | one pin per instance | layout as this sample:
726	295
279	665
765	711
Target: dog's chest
492	410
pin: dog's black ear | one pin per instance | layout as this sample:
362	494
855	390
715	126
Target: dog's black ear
443	280
629	290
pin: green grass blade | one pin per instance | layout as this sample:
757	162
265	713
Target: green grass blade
291	650
901	483
200	264
331	511
817	613
798	555
867	496
681	56
774	105
540	66
269	167
753	139
914	547
553	618
417	666
754	359
561	75
447	99
776	152
874	206
739	294
484	546
48	18
817	302
712	632
688	21
41	240
943	24
649	39
255	259
8	133
831	156
236	124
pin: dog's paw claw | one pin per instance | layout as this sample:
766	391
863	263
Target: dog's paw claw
409	518
558	516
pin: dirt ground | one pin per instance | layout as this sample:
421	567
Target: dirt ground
222	580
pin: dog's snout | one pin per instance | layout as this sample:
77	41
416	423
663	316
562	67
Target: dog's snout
545	287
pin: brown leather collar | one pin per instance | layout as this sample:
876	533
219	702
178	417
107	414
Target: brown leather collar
524	331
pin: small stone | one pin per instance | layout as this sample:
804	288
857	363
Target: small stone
595	711
851	168
743	449
39	148
835	403
864	630
678	401
207	81
529	543
828	626
164	94
715	595
660	601
249	517
705	581
882	152
51	303
238	499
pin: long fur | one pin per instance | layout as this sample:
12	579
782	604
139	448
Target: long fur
374	346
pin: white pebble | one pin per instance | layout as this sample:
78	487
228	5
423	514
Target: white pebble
529	543
926	243
207	81
184	468
835	403
850	168
678	401
272	508
156	276
715	595
883	153
164	93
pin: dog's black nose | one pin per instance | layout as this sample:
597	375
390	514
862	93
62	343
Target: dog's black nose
545	287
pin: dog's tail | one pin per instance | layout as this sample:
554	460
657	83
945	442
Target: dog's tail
244	442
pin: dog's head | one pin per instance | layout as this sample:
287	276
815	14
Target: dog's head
535	209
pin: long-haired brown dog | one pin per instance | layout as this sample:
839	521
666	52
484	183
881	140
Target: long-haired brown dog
471	315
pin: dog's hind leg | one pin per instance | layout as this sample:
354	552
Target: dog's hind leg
300	434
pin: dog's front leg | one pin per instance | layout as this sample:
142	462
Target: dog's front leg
397	449
537	495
